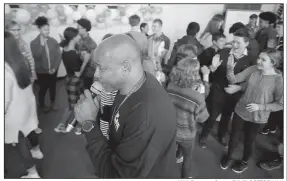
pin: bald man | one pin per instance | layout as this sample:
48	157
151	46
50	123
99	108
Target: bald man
143	120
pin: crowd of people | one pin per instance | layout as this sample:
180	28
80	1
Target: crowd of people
144	119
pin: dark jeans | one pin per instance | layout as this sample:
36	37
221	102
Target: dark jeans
276	119
186	148
47	81
219	102
250	131
18	159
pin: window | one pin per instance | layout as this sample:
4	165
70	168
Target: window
243	6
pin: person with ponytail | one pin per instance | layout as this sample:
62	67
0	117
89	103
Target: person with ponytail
47	55
74	67
20	113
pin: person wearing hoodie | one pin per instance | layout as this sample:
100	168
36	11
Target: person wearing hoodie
190	39
188	93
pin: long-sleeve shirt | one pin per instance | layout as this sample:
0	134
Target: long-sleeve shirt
28	56
142	137
46	60
264	36
20	108
266	90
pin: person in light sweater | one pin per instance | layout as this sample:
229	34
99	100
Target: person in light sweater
263	89
20	113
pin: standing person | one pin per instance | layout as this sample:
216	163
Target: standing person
252	25
144	29
221	102
142	128
189	39
276	118
213	26
136	34
86	45
14	28
47	55
266	35
158	43
263	93
20	113
74	67
188	93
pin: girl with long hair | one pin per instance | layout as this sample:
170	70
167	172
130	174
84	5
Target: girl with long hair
20	113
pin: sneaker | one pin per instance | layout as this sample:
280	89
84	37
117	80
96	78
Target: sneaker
240	167
179	160
31	175
202	143
272	131
265	131
53	107
60	128
225	163
36	153
78	131
271	165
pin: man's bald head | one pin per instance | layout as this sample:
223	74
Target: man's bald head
117	49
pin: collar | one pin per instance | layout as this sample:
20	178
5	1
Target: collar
158	38
135	28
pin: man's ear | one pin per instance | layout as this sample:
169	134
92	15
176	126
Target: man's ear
126	67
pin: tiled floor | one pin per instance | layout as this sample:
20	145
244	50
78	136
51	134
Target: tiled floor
65	155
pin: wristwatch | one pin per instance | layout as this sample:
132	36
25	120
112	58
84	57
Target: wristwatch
87	126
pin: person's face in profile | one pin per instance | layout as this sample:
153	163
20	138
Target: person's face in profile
146	29
15	31
263	23
82	31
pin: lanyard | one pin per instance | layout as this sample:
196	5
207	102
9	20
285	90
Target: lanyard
134	89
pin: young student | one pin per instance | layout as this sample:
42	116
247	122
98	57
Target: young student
252	25
144	29
213	26
47	55
188	93
20	114
86	45
263	92
190	39
253	46
266	35
221	102
136	34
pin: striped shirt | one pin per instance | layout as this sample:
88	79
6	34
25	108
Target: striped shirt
107	100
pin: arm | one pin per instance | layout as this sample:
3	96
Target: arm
240	77
27	54
86	60
59	55
201	114
134	157
37	50
278	103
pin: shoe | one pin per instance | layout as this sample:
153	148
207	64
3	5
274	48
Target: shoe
53	107
202	142
265	131
32	175
60	128
272	131
36	153
271	165
78	131
179	160
38	131
225	163
240	167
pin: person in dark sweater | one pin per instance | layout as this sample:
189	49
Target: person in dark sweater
266	35
190	39
253	46
143	122
47	55
221	101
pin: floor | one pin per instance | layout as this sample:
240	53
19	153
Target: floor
65	155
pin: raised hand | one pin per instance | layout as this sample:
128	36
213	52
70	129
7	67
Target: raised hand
216	62
230	62
205	70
